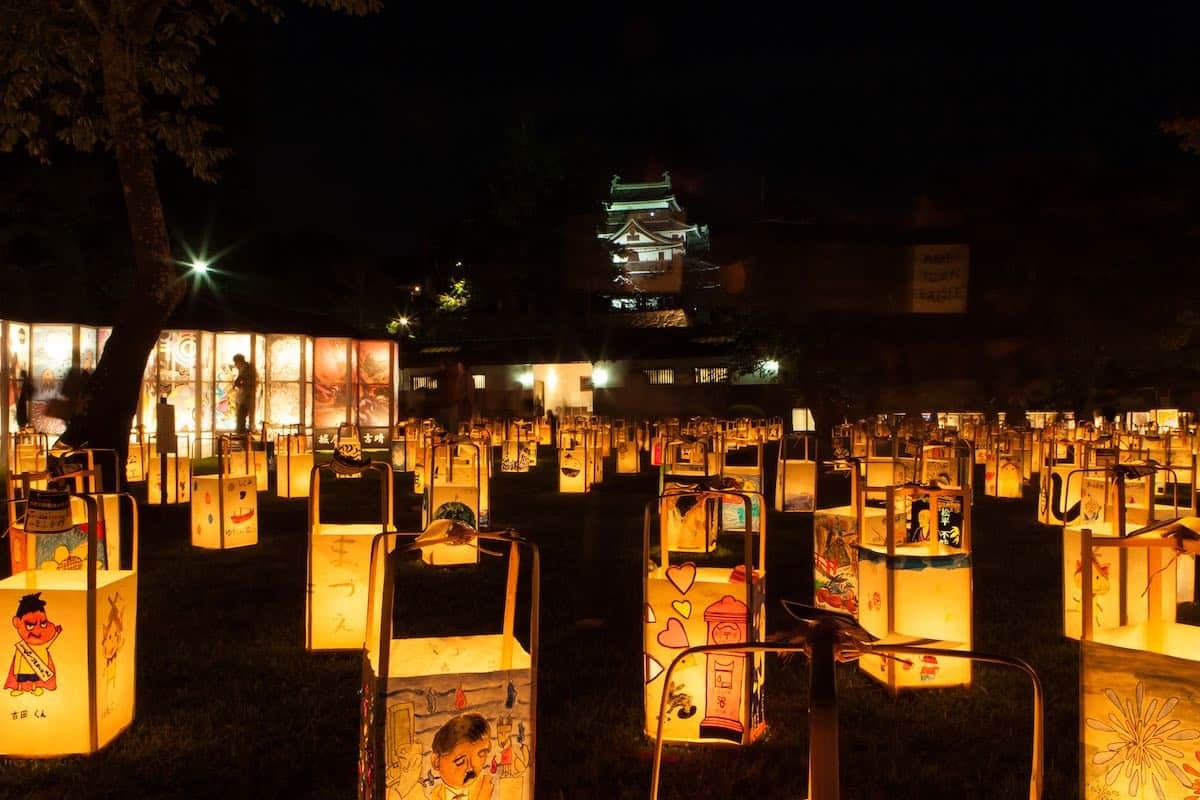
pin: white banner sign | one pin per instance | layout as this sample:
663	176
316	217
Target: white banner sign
939	278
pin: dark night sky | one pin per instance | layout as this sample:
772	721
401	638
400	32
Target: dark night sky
389	131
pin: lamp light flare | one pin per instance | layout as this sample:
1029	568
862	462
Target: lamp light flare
200	266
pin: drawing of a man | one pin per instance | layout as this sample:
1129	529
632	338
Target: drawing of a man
32	667
461	750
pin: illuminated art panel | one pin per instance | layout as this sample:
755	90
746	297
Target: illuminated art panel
87	349
225	405
283	357
16	342
51	358
333	391
375	404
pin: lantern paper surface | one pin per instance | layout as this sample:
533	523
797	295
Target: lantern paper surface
68	550
733	511
628	458
452	689
574	469
292	473
1058	498
340	563
52	703
835	558
1003	476
796	485
224	511
458	486
689	519
178	483
708	699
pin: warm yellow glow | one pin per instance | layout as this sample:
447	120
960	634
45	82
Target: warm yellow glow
600	377
526	379
224	511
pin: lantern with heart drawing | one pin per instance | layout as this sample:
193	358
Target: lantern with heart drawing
457	711
716	698
70	673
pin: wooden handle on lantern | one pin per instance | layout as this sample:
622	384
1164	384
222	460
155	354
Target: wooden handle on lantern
510	606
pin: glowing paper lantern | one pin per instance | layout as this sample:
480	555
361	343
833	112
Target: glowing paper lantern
714	698
687	461
575	468
176	488
741	471
690	518
27	452
919	584
1139	714
626	445
339	557
224	509
457	711
796	473
457	484
1059	502
70	682
518	451
888	463
140	452
293	465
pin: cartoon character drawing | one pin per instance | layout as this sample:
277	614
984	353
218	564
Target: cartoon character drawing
32	667
460	756
514	752
112	638
680	702
1100	583
408	783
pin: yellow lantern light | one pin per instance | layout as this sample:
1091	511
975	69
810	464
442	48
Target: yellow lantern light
224	507
1059	503
141	450
518	451
71	683
690	518
595	438
459	711
626	444
404	437
293	464
176	467
27	452
796	473
458	485
575	469
919	584
1139	715
741	471
686	462
544	432
711	698
889	462
339	557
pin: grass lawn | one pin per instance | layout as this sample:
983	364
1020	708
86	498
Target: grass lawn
230	705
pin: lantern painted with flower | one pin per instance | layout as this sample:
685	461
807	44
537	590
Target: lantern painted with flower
339	557
917	582
1139	709
70	682
713	698
456	711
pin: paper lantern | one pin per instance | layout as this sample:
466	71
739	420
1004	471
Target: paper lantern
945	464
917	582
888	463
687	461
70	682
224	507
712	698
141	450
741	471
575	468
457	485
518	450
293	465
27	452
177	470
836	533
625	442
404	439
690	518
796	473
339	558
458	712
1140	682
1058	502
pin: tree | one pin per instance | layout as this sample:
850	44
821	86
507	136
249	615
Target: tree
125	76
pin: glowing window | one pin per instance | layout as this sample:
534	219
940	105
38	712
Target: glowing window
424	382
712	374
480	381
660	377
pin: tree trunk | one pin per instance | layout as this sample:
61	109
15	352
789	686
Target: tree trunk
110	399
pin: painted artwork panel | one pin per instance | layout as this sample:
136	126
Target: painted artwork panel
44	705
1139	709
835	560
796	485
283	403
51	358
87	349
236	520
572	472
733	510
337	605
333	389
689	521
706	697
496	704
17	343
283	358
628	462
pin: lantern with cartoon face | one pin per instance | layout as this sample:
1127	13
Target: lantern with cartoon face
458	711
339	557
70	672
717	698
224	506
